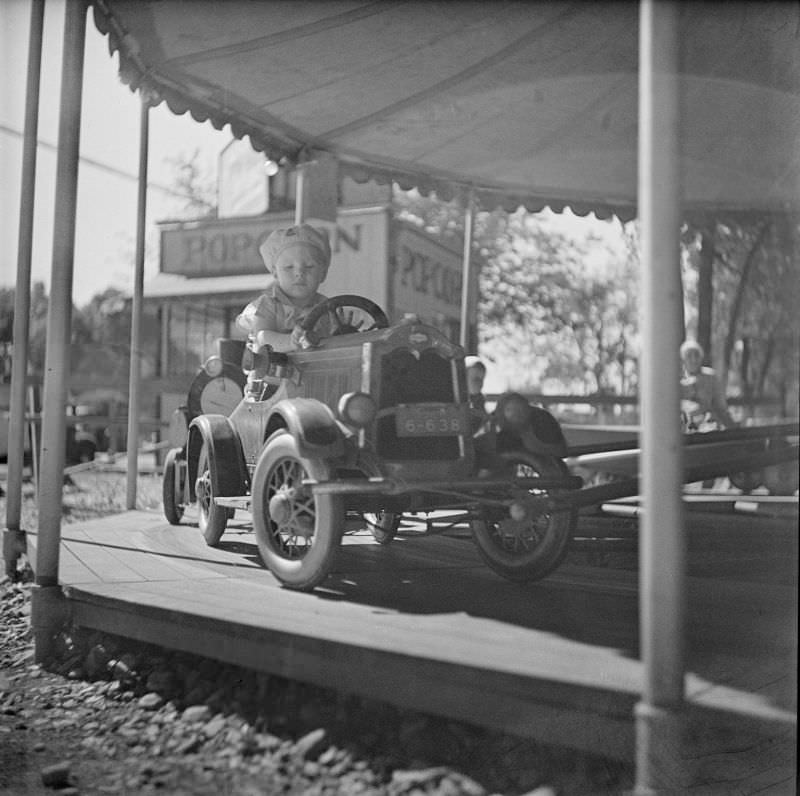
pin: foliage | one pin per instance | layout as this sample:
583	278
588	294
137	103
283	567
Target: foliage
195	184
555	311
37	325
99	344
755	331
572	297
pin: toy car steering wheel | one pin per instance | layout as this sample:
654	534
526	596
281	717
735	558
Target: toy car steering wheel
341	321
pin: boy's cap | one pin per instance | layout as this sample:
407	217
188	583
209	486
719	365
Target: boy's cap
312	239
473	362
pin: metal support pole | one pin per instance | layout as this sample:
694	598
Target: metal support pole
659	755
468	287
134	387
300	194
59	316
13	535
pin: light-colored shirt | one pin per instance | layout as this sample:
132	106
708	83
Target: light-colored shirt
273	311
705	390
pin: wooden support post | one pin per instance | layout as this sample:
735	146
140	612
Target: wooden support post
13	534
49	616
134	387
59	317
468	286
660	758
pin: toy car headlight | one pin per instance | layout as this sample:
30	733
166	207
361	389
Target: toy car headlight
214	366
514	411
357	409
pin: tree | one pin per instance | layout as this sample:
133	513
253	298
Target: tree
6	314
555	311
750	317
194	184
574	300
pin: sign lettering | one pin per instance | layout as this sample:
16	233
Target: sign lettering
228	247
429	277
353	241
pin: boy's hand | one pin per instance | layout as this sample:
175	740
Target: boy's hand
304	339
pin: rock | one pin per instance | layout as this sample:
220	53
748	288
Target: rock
403	781
196	713
56	775
214	727
161	680
151	701
190	745
311	745
96	661
465	786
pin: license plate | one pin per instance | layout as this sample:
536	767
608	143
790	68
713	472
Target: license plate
430	420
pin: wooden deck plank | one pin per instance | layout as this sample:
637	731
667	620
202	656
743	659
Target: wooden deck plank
446	637
72	569
460	688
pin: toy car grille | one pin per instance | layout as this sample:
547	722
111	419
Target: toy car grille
407	379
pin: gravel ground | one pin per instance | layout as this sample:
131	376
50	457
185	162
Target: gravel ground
110	716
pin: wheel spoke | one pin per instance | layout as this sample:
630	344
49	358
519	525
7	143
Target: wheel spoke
291	536
515	537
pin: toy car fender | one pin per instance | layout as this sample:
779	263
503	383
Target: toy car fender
531	428
225	449
313	425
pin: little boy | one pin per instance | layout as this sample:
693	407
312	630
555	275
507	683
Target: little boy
298	257
701	389
476	373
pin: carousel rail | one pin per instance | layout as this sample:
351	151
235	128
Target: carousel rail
627	487
747	433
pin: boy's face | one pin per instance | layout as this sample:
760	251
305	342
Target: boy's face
299	273
475	378
692	360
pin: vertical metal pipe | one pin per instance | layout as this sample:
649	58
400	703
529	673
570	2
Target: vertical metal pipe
22	294
165	364
300	193
59	314
134	387
467	280
662	548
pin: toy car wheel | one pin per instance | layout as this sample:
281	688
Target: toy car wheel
298	532
781	478
86	451
533	547
212	518
172	487
746	481
383	525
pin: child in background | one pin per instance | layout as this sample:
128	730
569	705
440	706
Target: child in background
702	394
476	373
298	257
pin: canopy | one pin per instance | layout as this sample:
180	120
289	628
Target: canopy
530	103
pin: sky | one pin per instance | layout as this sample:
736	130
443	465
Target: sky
107	189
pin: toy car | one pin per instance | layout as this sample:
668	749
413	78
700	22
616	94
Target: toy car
372	422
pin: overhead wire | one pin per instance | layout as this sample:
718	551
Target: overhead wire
106	167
